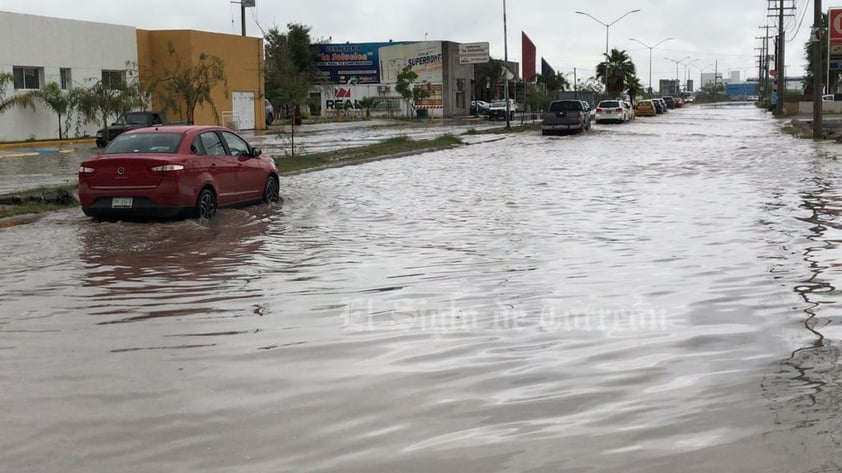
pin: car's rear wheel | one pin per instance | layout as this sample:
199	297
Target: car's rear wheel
206	204
271	191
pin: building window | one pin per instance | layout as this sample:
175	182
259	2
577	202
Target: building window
66	81
113	79
27	77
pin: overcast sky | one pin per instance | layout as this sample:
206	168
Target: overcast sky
707	31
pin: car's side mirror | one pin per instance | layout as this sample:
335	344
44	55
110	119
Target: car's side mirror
255	152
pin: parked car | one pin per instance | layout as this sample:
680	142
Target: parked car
270	112
646	108
175	171
129	121
565	116
479	107
611	111
497	110
629	110
670	101
662	104
587	107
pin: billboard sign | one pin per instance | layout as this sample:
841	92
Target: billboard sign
473	53
350	63
834	38
425	58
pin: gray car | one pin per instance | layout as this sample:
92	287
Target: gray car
564	116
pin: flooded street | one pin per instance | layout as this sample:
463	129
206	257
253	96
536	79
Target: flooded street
658	296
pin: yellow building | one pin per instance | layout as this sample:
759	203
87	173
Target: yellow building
242	57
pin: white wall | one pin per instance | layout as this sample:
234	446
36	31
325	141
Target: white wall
344	99
52	43
827	107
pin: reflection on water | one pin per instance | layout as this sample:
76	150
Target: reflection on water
616	301
804	387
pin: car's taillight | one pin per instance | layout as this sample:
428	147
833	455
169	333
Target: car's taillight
598	109
619	109
168	167
85	170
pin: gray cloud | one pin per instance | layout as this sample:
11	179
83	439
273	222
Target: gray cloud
709	31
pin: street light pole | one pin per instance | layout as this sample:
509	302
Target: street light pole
677	62
608	25
650	57
687	72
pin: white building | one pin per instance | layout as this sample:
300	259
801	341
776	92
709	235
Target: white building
735	76
39	50
709	77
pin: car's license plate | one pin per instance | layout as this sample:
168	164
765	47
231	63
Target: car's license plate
121	202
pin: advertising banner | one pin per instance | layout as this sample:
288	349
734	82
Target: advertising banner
425	58
834	18
350	63
473	53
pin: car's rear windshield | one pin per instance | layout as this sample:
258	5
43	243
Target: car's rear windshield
130	143
139	118
609	104
565	106
499	104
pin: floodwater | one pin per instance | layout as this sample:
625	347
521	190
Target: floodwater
46	167
659	296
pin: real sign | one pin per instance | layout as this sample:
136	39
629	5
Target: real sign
473	53
834	17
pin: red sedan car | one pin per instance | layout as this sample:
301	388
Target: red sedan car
175	171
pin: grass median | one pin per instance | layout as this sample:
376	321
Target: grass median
398	145
37	201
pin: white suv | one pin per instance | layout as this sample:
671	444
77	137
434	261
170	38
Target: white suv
611	111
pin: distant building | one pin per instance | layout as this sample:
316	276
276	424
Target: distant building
741	90
354	71
75	53
734	76
241	106
688	87
710	77
669	87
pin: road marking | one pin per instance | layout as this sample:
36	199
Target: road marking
19	155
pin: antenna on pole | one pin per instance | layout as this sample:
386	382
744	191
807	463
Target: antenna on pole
243	5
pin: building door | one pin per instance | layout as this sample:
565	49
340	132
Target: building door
244	109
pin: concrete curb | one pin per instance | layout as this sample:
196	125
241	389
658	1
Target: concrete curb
38	144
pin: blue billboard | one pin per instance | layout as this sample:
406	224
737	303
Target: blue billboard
350	63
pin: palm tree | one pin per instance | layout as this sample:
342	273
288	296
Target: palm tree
57	100
100	102
21	100
489	74
367	104
635	88
617	71
553	81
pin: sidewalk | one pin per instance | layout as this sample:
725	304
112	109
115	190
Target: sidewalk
37	148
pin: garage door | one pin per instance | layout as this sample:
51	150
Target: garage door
244	109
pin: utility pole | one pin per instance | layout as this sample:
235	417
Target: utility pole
506	68
764	66
243	16
781	73
817	70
